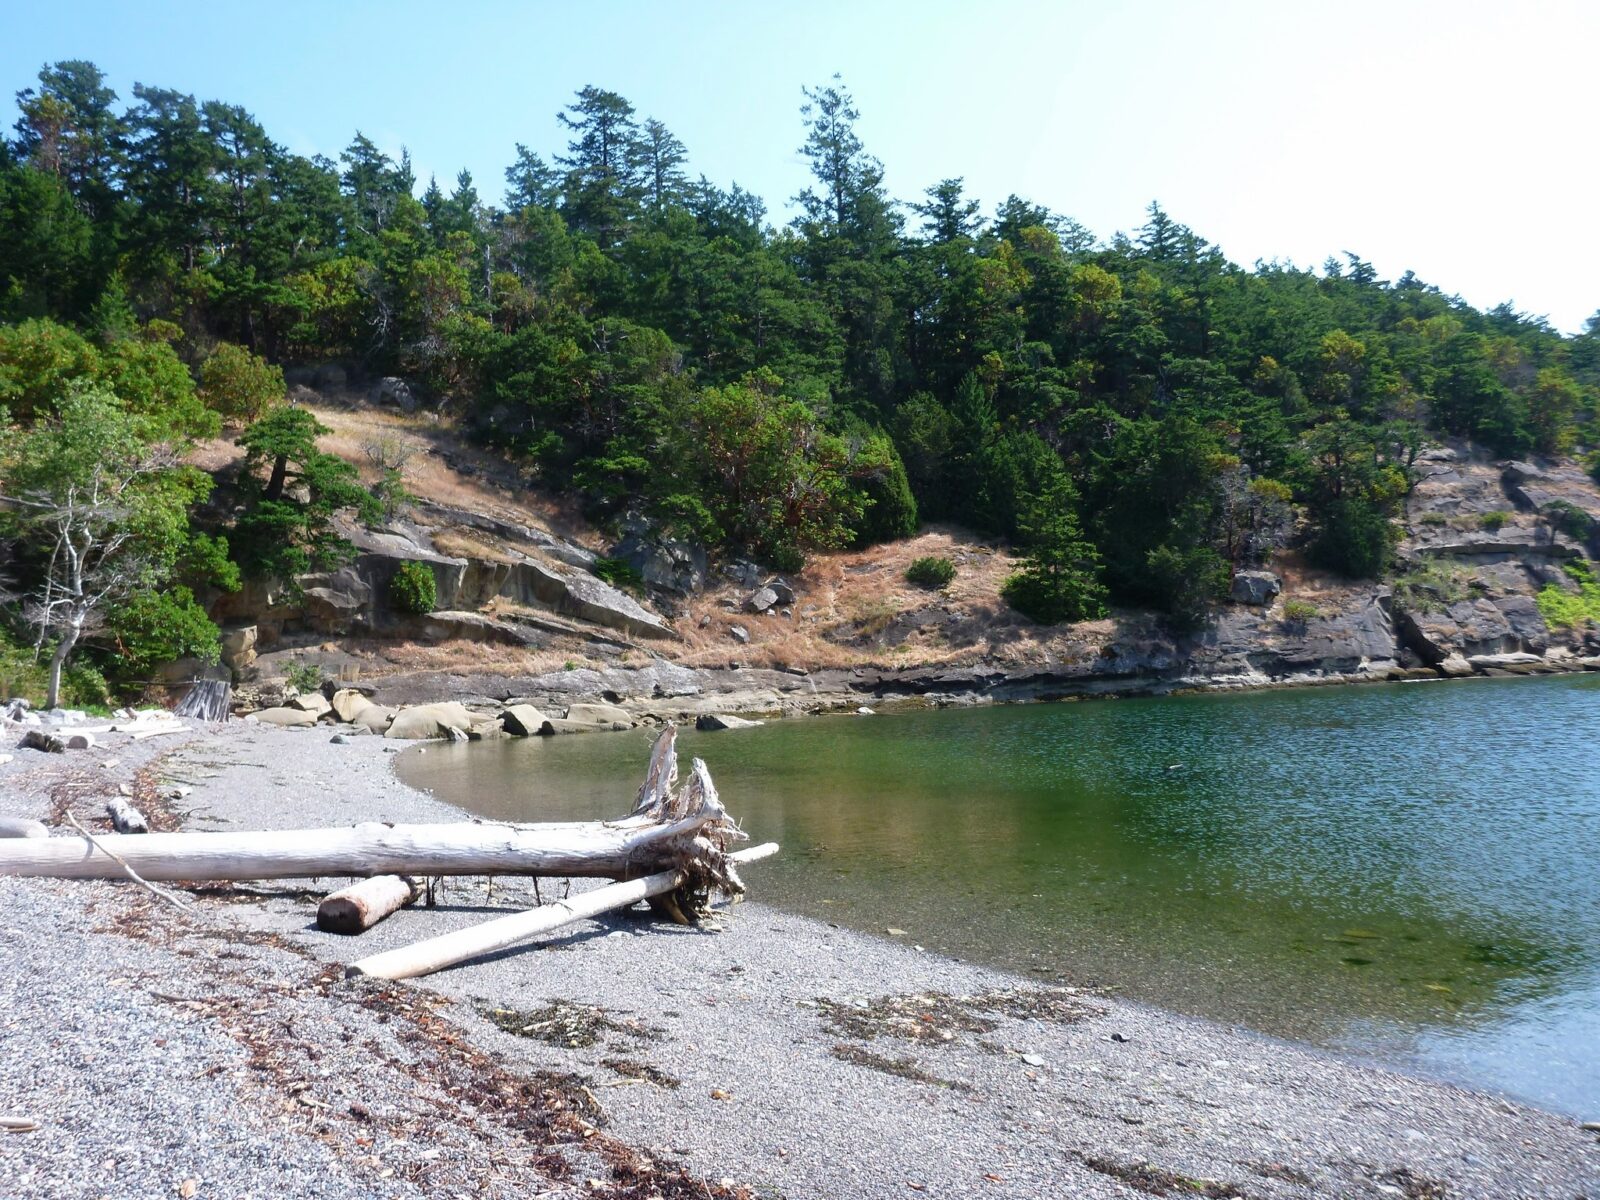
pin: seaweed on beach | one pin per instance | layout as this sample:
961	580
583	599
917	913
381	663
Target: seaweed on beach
936	1018
903	1068
1158	1181
630	1068
564	1023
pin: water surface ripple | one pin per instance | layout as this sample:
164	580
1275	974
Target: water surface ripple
1410	872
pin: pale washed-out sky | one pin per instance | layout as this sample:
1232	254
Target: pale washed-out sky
1451	138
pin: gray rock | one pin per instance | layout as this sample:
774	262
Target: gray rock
430	721
743	572
1255	587
712	722
666	563
781	589
22	827
285	718
524	720
739	634
761	600
600	714
394	391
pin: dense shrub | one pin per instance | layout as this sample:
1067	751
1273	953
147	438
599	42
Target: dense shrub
931	572
239	385
1493	521
412	589
303	677
1298	612
1562	609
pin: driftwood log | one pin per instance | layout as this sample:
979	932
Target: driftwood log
685	830
448	949
206	700
362	905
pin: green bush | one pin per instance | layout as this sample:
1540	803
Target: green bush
22	674
931	572
1493	521
1566	517
1566	610
1298	612
1431	585
238	384
412	589
303	677
1433	518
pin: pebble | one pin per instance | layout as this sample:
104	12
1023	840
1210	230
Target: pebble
1033	1060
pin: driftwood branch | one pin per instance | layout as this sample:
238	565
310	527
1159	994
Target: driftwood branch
159	893
448	949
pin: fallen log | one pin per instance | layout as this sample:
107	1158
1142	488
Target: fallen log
125	818
687	830
360	906
448	949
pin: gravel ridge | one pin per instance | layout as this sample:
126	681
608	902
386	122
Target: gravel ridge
225	1056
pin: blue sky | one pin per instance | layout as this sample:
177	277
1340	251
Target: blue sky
1451	138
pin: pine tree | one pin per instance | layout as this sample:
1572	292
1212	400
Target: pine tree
1060	581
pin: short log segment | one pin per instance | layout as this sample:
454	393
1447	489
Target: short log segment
21	827
448	949
125	818
360	906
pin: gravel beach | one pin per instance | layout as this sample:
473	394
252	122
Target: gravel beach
221	1053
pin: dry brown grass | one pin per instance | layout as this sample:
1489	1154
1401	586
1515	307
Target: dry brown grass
491	483
479	658
856	609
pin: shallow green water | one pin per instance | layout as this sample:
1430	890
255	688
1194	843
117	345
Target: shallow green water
1408	871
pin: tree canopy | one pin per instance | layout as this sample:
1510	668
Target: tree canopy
1143	413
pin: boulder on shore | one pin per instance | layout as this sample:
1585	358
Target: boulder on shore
314	703
374	718
605	715
523	720
285	717
430	721
348	704
711	722
562	725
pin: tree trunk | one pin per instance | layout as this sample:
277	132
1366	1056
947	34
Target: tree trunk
615	849
280	475
57	661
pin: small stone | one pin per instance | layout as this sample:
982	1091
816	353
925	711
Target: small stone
739	633
893	932
1591	1126
1033	1060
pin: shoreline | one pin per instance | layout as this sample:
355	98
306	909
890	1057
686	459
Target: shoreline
664	690
771	1053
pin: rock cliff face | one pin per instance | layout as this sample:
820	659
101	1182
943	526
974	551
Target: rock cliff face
353	599
1481	539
